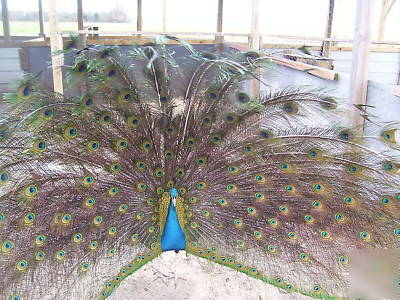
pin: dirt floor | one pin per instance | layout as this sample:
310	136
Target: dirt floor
178	277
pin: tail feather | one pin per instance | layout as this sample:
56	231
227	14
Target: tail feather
269	184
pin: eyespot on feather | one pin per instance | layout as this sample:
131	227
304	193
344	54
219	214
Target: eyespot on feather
133	121
4	177
25	91
213	94
126	96
47	113
71	132
290	108
87	101
242	97
104	117
328	103
92	145
389	136
120	144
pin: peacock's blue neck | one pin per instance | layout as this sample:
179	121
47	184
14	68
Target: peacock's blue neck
172	237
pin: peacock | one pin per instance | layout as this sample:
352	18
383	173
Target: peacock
163	147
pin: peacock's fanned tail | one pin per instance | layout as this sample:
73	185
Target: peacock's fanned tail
269	184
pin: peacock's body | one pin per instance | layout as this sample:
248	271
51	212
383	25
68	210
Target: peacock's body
156	156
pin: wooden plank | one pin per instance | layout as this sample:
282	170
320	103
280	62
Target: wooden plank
41	19
139	25
326	45
301	39
8	64
127	40
360	57
56	44
19	41
7	77
219	39
310	69
255	25
6	21
7	53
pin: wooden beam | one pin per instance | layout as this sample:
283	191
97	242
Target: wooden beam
56	44
310	69
255	25
6	21
326	45
386	7
219	39
128	38
360	57
41	19
164	15
267	37
139	25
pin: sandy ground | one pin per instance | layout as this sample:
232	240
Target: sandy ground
182	277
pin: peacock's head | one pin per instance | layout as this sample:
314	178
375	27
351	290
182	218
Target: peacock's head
173	193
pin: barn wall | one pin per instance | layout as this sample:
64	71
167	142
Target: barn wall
10	69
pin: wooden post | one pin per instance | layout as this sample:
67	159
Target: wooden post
219	39
360	58
326	45
6	21
139	17
56	44
164	15
41	19
82	37
255	42
385	9
255	25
